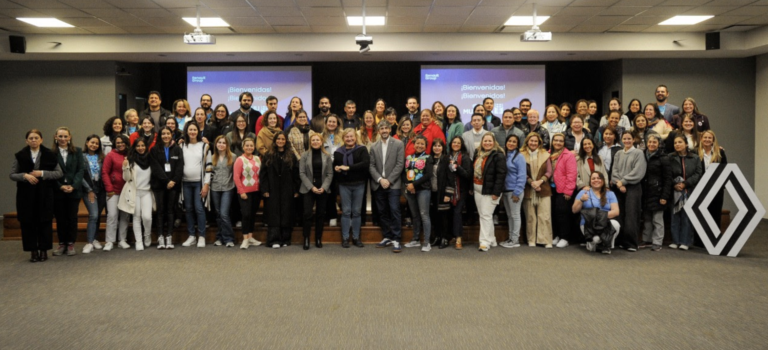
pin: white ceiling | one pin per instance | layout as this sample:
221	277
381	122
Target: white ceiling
403	16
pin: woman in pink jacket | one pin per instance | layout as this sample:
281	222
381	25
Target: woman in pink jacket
564	184
112	175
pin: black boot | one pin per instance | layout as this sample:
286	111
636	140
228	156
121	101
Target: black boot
358	243
318	242
35	257
443	244
345	243
43	255
306	243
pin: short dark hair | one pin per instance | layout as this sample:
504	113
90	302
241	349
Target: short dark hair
486	99
203	95
245	94
525	99
477	114
154	92
412	97
390	111
270	98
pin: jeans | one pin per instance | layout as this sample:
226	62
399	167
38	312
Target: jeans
351	202
485	208
113	216
195	209
419	204
513	215
221	202
682	230
388	203
142	214
94	213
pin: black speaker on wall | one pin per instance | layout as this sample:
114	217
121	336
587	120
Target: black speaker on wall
712	41
18	43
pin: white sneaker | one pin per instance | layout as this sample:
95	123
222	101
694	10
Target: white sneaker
562	244
673	246
139	246
239	224
683	247
160	242
108	246
148	240
190	241
96	244
201	242
169	242
591	246
427	247
413	244
230	244
509	244
275	246
556	240
494	244
123	245
217	243
333	223
244	245
254	242
495	219
88	248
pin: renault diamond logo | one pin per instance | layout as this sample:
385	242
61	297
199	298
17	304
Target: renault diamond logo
750	212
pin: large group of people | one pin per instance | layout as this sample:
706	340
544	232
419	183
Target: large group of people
568	177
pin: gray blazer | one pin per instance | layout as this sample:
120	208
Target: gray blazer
670	111
395	163
305	172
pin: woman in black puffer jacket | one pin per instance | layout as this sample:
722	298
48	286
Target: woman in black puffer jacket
657	190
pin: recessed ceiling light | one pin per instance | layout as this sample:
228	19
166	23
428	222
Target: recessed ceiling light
369	20
45	22
525	20
206	21
684	20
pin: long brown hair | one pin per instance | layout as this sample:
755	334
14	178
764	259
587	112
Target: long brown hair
603	197
227	151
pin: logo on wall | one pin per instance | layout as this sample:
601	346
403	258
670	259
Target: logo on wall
750	210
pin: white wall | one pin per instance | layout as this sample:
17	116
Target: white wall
724	90
761	126
46	95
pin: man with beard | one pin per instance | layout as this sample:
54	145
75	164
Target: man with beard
155	111
525	106
387	161
489	117
318	122
206	101
413	110
271	107
350	120
251	115
668	110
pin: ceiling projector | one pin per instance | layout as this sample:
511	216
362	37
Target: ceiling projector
535	36
198	37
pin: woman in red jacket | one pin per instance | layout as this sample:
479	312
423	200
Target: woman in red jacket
112	175
429	129
564	168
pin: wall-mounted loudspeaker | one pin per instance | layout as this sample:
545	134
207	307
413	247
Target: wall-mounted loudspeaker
18	43
712	41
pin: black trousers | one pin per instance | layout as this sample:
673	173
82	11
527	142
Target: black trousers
630	213
319	202
36	235
330	204
248	208
562	218
65	210
165	201
279	235
441	219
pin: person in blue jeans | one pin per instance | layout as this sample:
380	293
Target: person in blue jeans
351	166
95	199
417	179
222	186
686	171
195	182
514	184
387	161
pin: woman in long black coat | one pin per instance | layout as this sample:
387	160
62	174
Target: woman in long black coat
35	170
279	183
657	191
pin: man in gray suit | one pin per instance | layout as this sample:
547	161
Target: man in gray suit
667	109
387	161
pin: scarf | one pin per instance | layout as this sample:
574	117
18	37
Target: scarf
456	158
481	154
347	153
93	166
142	160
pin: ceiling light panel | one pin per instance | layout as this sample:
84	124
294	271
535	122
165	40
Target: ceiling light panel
45	22
525	20
206	21
369	20
684	20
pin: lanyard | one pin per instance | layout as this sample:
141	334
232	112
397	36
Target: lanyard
166	155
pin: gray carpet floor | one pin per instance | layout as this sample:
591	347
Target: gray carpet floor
335	298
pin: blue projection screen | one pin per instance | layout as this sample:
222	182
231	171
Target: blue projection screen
467	86
225	84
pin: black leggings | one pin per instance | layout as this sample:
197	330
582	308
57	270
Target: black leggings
165	201
248	208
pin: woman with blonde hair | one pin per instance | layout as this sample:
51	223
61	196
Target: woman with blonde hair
489	172
711	152
181	113
246	175
538	192
333	140
350	162
131	118
69	191
316	174
222	183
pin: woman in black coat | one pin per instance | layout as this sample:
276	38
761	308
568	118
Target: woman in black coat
35	170
685	173
439	205
167	163
710	152
489	170
454	181
279	182
657	191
